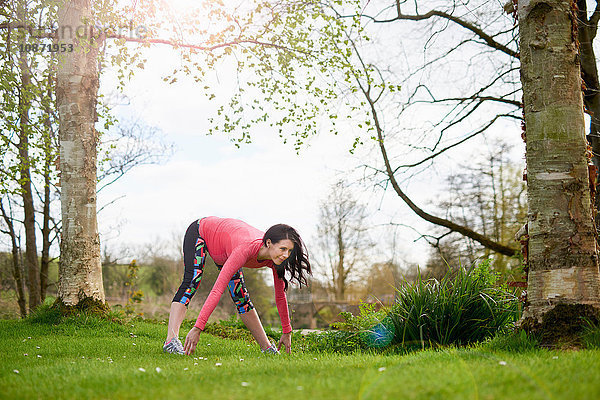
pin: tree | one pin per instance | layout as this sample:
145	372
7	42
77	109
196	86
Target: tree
563	252
342	237
382	281
487	194
24	132
15	259
29	169
76	94
587	28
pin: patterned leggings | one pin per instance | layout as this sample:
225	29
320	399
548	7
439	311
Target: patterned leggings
194	257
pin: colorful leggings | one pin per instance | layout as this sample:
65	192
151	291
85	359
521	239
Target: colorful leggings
194	257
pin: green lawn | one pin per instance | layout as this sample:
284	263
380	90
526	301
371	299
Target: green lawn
96	359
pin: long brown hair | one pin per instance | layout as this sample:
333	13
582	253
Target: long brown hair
297	263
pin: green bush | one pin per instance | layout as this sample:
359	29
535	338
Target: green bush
461	308
365	320
343	342
374	327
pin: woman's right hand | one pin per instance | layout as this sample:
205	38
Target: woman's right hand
191	341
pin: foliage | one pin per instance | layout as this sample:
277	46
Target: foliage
45	314
163	274
318	342
465	306
367	317
229	331
135	296
342	342
460	308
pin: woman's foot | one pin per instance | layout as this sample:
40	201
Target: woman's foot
272	349
173	346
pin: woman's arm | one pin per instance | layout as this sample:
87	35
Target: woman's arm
281	302
235	261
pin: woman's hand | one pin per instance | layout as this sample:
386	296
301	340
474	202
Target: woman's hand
286	341
191	341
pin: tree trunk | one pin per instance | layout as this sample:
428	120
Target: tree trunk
591	99
340	284
80	271
16	260
31	258
563	263
48	158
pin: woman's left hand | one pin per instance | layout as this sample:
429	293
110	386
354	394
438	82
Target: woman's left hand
191	341
286	341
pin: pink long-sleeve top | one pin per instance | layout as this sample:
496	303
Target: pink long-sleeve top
234	244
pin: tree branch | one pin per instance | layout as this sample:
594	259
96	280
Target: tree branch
452	145
198	47
463	230
489	40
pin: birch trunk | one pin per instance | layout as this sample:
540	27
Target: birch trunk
591	94
563	263
80	272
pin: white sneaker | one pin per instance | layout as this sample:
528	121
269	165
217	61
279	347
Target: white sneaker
272	349
174	346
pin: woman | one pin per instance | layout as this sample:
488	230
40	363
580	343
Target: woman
233	244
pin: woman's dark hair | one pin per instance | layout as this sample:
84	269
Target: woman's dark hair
297	263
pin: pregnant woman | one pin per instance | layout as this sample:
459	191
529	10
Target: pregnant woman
233	244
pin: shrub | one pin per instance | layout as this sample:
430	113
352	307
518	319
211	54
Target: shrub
328	342
228	331
374	327
234	328
461	308
366	318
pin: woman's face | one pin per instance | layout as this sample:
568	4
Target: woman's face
280	251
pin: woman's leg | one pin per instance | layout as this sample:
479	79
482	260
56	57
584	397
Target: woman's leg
176	317
249	316
194	257
252	322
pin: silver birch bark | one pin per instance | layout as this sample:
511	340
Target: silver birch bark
80	272
563	262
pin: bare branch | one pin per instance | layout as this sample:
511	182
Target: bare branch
463	230
485	127
488	39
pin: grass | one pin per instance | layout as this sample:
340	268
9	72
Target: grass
92	358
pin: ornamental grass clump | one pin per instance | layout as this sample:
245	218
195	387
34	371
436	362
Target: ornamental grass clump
463	307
